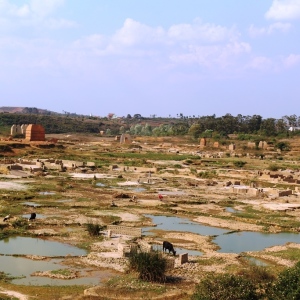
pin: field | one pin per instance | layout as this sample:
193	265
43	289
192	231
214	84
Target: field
88	180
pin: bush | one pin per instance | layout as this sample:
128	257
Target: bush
225	287
239	163
273	167
287	286
94	229
20	223
151	266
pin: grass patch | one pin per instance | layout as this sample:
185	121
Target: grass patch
290	254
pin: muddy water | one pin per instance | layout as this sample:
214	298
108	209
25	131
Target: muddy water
23	268
228	242
35	246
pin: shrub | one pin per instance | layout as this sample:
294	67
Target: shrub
239	163
20	223
225	287
151	266
94	229
287	286
273	167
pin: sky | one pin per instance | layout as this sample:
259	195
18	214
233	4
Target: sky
151	57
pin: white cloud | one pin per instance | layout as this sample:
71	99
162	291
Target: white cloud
284	10
133	33
33	13
212	55
278	26
291	60
201	32
44	7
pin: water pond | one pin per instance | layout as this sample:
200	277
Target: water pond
228	242
23	268
34	246
32	204
47	193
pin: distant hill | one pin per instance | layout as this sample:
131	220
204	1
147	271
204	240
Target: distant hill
26	110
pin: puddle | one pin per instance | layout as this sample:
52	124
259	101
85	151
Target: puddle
34	246
19	266
231	210
236	242
47	193
257	261
138	190
38	216
65	200
32	204
181	224
100	184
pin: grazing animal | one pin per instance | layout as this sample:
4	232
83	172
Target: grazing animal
32	216
6	218
168	246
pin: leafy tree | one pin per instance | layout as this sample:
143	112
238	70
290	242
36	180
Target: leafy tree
283	146
268	127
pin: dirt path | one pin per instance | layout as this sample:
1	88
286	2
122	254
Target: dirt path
13	294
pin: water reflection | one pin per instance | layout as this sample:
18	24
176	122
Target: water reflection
236	242
35	246
32	204
181	224
23	267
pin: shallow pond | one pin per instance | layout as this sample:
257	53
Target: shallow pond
47	193
35	246
23	267
228	242
38	216
32	204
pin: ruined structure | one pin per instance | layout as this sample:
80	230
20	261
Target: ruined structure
202	143
35	132
125	138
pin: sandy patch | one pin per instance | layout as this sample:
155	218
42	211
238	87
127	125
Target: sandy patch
14	294
12	186
233	225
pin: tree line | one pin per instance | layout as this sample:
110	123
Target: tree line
202	126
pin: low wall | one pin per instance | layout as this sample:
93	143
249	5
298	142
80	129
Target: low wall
132	231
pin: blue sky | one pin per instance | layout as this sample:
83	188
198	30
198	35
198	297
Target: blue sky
162	57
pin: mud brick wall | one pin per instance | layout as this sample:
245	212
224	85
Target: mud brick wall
115	229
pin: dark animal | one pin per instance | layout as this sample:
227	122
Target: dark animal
168	246
6	218
32	216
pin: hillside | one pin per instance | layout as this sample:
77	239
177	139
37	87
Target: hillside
25	110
